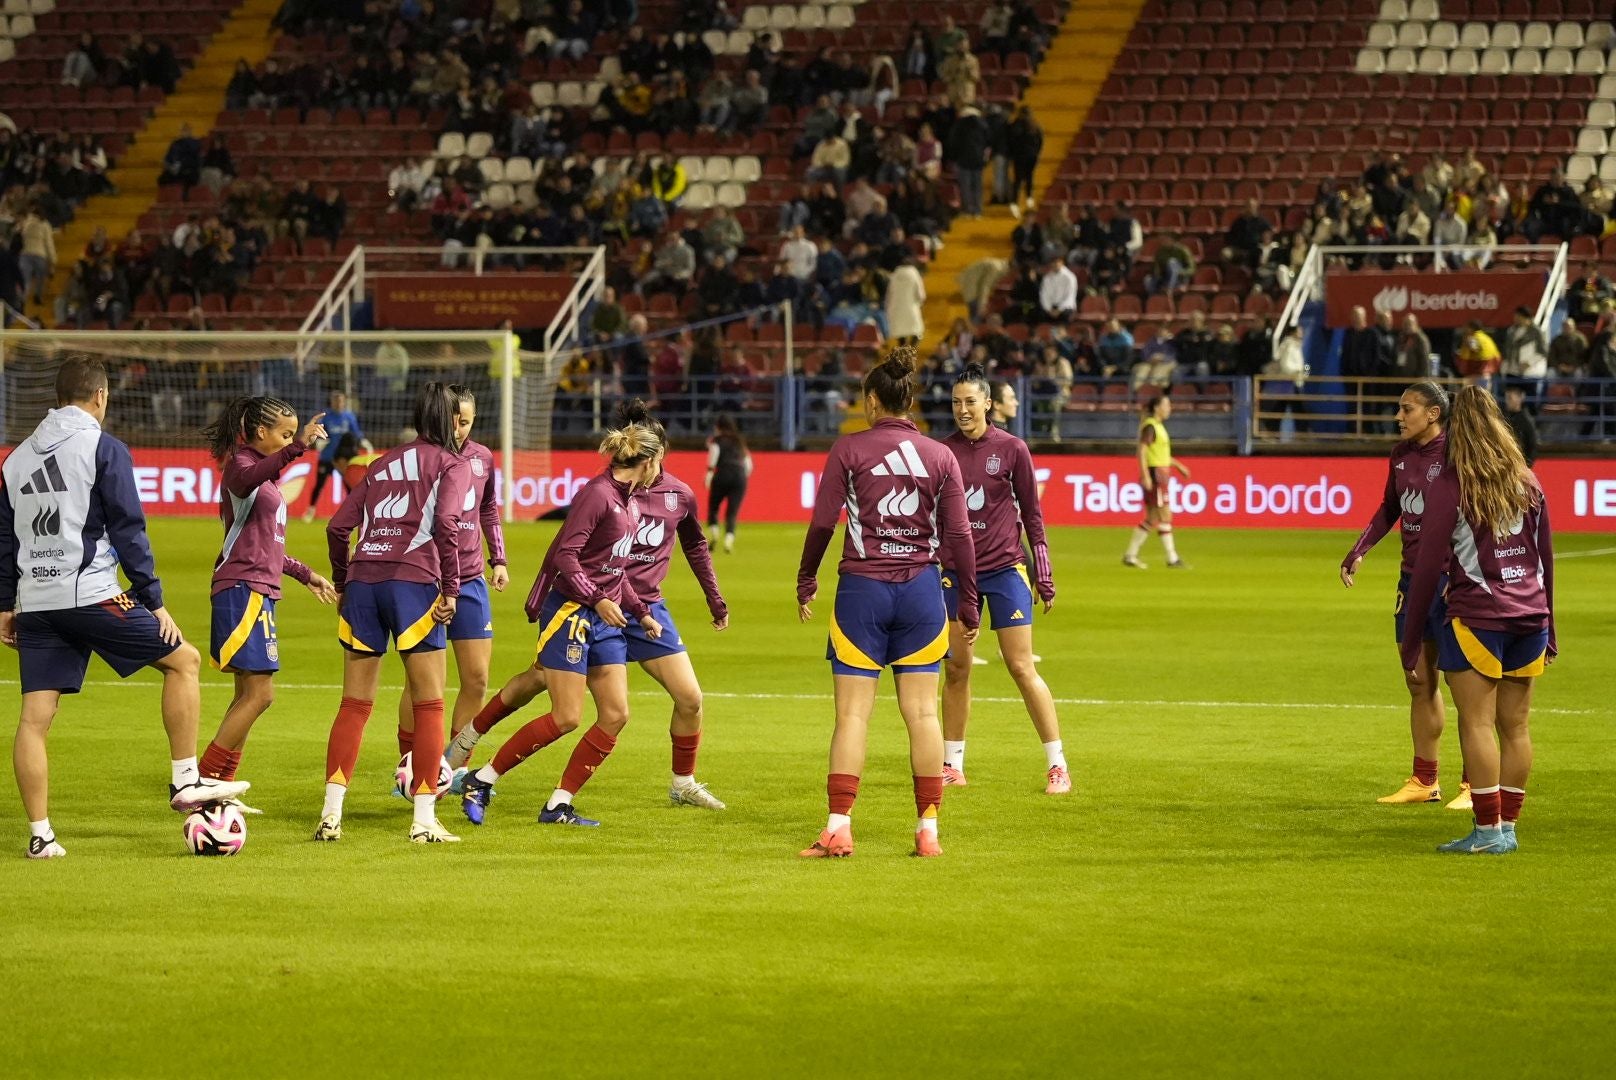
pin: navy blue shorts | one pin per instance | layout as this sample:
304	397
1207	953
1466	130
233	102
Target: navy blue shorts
1433	618
474	615
573	638
877	624
54	647
374	612
1493	653
243	636
642	647
1007	593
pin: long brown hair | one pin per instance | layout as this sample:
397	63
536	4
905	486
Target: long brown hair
1495	486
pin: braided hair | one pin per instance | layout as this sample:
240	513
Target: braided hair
240	421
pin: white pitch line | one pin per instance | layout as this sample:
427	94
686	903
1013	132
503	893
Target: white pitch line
1584	554
1092	702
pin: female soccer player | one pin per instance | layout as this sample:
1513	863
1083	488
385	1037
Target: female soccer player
583	589
1001	499
666	509
472	630
1416	462
905	508
254	440
729	466
1156	462
1487	522
400	582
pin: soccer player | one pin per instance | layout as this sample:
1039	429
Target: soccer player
1486	526
1001	500
401	581
729	467
70	517
905	508
579	600
472	630
667	510
1416	463
1156	464
253	441
339	422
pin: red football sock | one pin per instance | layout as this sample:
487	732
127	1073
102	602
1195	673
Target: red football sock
1487	805
342	748
1424	770
535	735
684	754
429	741
1509	803
491	714
928	795
586	757
219	763
842	789
406	741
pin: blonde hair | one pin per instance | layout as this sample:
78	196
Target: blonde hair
631	445
1495	486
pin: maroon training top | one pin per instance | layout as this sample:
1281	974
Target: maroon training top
407	511
254	515
1412	470
589	558
1001	499
668	508
481	513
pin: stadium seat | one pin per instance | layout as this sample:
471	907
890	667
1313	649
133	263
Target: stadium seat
1443	35
1424	10
1401	62
810	17
1382	36
1580	168
693	168
1495	61
1370	62
783	17
1599	35
1463	62
1568	35
1393	10
1526	61
1506	35
1475	35
493	170
1433	62
22	26
1537	35
755	17
1602	114
518	170
740	41
698	196
731	195
451	144
42	7
543	94
1607	168
1558	62
479	144
1592	141
1411	35
839	17
1591	62
746	169
716	41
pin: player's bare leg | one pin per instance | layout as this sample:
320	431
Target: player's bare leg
855	699
1477	699
917	702
254	694
1514	750
1015	645
567	692
1425	720
32	767
608	686
517	692
956	702
676	675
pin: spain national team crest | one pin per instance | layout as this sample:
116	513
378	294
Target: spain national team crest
993	464
575	653
1434	471
476	466
670	499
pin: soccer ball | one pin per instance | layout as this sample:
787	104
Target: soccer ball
406	766
216	829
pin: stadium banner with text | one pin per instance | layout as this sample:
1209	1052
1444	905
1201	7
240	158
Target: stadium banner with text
455	301
1223	492
1451	299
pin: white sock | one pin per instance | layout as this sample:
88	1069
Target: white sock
954	753
183	771
334	794
684	781
927	824
426	809
41	829
1167	545
838	821
1136	541
558	797
1054	754
488	774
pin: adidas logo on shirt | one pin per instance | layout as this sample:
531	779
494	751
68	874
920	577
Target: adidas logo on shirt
902	462
46	478
407	466
1399	466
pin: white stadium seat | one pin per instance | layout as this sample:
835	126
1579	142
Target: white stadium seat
493	170
1444	35
1599	35
1602	114
715	40
518	170
1382	36
740	41
1400	62
1568	35
1506	35
1370	62
1411	35
839	17
1607	88
783	17
7	49
731	195
1393	10
611	68
451	144
1537	35
692	166
1495	61
526	196
1526	62
22	25
1591	62
1463	62
698	196
716	169
570	95
499	196
756	17
1593	141
15	7
479	144
1424	10
1433	62
1607	168
1580	168
1475	35
543	94
810	17
42	7
746	170
1557	62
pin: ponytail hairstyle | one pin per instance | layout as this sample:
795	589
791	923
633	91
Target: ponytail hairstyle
435	409
1495	486
637	438
974	373
637	412
463	396
892	383
1147	406
1435	398
240	421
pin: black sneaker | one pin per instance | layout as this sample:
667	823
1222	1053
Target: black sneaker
475	795
565	815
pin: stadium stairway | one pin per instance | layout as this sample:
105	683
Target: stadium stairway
1060	95
196	101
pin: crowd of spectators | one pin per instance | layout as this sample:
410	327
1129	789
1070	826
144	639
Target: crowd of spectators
43	179
142	62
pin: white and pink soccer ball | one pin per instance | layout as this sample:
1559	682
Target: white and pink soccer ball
216	829
405	770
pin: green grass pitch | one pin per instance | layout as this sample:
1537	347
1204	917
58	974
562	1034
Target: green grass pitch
1220	895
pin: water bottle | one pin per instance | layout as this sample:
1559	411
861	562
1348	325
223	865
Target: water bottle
1436	364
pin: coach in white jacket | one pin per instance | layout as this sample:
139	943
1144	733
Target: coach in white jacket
906	296
70	517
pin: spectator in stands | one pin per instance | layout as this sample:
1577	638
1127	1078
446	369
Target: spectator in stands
1449	232
1124	231
182	164
298	209
967	151
574	29
1057	293
1367	352
1224	354
1477	358
1024	142
1587	294
947	37
218	167
668	376
1413	227
1193	345
669	181
1520	421
905	297
960	72
1554	208
1172	267
1114	349
37	255
750	102
1525	360
1413	360
83	63
977	282
1568	352
831	158
717	288
1597	206
1288	375
722	234
798	258
716	102
1110	271
917	61
994	27
671	270
329	215
1027	242
634	365
1245	236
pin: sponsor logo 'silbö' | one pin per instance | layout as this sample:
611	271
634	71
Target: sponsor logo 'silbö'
1395	298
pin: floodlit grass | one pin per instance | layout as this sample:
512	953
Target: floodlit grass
1221	895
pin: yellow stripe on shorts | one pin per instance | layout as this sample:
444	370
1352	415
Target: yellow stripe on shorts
849	653
929	654
1474	651
346	635
555	622
418	630
238	637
